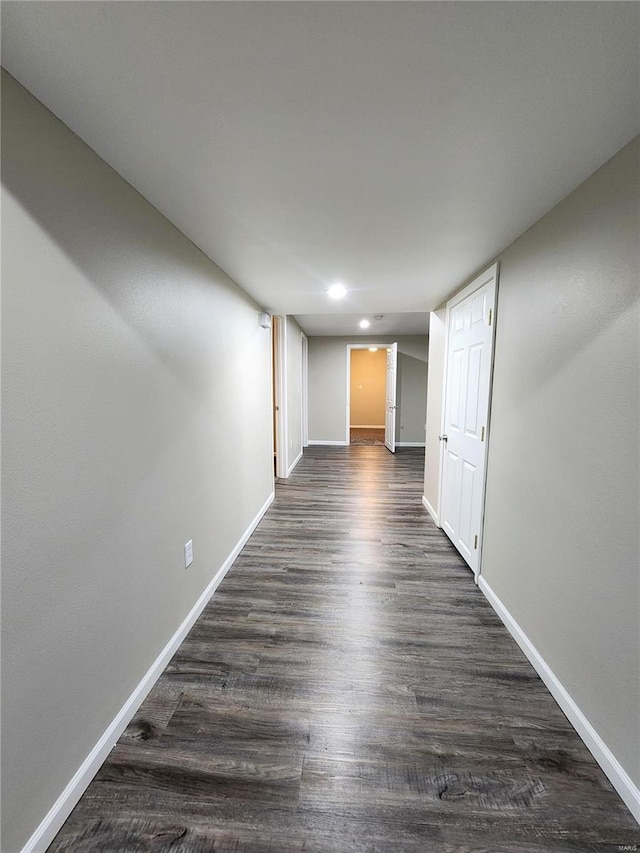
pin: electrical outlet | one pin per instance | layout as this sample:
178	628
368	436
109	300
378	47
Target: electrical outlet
188	553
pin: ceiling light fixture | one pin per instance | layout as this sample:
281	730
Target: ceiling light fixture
364	324
373	349
337	291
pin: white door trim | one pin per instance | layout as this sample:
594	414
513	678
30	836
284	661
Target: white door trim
304	396
478	282
282	441
350	347
391	412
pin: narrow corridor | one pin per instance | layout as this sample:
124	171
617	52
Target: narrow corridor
348	688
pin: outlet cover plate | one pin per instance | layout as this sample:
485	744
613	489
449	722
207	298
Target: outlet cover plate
188	553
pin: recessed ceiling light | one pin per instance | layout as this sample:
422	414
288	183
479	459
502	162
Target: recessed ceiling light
337	291
364	324
373	349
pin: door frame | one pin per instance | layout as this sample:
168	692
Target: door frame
279	326
391	348
348	383
304	390
478	282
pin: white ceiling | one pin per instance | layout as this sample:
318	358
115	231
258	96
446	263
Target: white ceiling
380	324
396	147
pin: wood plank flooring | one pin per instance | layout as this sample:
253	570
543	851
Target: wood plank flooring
348	688
366	435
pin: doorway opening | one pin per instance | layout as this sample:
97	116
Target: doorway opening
371	395
367	375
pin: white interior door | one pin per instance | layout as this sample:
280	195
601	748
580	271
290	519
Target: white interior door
279	355
304	396
390	398
466	414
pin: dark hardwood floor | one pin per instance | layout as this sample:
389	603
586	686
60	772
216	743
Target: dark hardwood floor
348	688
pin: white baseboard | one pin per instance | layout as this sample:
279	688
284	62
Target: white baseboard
64	805
330	443
410	444
294	463
617	775
366	426
430	510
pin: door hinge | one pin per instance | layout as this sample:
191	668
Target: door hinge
475	543
490	315
482	434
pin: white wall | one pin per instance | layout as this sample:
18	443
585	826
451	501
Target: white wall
136	415
328	386
561	537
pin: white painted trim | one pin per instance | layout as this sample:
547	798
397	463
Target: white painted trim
64	805
329	443
491	273
304	396
617	775
282	435
410	444
284	400
443	413
430	510
390	441
350	347
478	282
366	426
294	463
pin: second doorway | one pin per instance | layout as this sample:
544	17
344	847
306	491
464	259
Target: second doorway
367	395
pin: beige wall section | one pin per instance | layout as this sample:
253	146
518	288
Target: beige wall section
136	416
562	511
434	408
293	390
367	387
328	386
411	393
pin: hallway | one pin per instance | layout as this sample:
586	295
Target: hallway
348	688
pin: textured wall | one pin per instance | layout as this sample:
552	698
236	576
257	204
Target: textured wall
562	515
562	511
136	415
